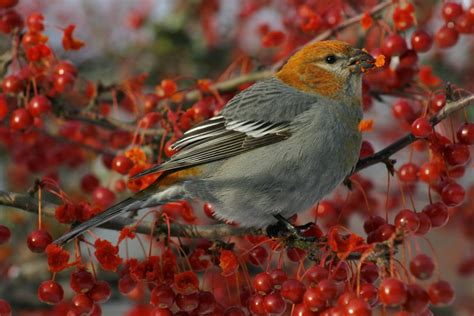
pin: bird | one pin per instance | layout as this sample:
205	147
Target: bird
274	150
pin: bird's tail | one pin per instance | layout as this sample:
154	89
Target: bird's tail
142	199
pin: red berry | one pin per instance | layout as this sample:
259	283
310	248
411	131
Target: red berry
39	105
464	24
50	292
293	290
3	107
339	272
234	311
207	302
262	283
169	87
470	13
421	41
373	223
12	84
274	304
150	101
256	305
453	194
89	182
446	36
465	134
126	284
316	274
366	150
451	10
456	154
384	232
345	298
429	172
188	302
301	310
425	224
38	240
417	299
357	307
168	150
81	281
9	21
257	255
437	213
421	127
327	289
122	164
65	67
437	102
35	22
208	210
5	4
409	59
278	277
325	208
392	292
441	293
402	110
81	304
162	296
63	83
103	197
369	293
393	45
20	119
100	292
422	267
312	301
408	172
96	310
407	220
5	308
295	254
5	234
369	272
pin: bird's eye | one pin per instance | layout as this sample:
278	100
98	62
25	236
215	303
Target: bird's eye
330	59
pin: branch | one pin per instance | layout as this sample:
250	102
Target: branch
384	154
29	204
110	123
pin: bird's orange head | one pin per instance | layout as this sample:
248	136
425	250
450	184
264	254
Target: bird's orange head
329	68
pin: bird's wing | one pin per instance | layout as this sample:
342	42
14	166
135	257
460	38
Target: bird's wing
256	117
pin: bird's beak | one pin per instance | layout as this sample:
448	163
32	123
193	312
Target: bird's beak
360	61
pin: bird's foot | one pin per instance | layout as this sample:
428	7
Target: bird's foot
284	229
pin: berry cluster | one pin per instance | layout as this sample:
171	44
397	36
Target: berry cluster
52	120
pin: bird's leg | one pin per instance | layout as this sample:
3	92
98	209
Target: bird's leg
283	225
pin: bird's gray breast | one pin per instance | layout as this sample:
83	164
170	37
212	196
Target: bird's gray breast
289	176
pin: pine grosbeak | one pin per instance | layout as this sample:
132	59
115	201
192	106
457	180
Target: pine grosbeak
276	148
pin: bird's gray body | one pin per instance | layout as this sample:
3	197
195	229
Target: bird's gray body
272	150
288	176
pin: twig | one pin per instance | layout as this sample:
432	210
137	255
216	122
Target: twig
384	154
110	123
80	144
27	203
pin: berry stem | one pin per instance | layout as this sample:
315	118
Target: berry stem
39	208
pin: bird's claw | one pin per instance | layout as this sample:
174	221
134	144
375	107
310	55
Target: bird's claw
284	229
348	183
